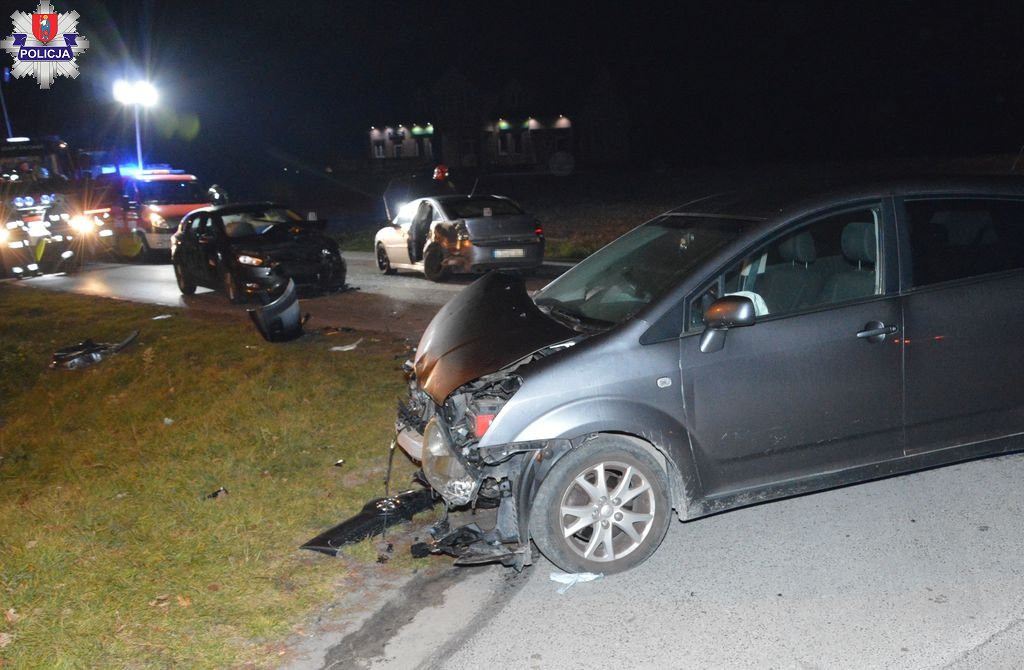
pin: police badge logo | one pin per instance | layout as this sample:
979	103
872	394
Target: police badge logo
45	44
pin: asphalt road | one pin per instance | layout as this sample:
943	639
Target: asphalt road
920	571
401	304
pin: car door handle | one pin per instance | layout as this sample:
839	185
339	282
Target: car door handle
875	331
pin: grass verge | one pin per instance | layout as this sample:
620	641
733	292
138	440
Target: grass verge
112	555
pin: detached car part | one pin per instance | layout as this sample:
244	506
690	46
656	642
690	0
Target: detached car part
280	320
375	517
87	353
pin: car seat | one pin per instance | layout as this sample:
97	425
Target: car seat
860	249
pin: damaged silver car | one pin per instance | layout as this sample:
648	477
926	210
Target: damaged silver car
735	350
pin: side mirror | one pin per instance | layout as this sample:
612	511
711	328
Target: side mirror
731	311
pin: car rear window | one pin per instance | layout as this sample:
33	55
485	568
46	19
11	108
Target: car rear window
475	207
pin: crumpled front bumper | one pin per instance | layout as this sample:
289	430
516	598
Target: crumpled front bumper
509	484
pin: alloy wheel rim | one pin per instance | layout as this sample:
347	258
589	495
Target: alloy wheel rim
607	511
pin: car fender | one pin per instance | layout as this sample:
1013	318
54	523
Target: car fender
574	422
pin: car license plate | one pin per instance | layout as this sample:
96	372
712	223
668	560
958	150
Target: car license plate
509	253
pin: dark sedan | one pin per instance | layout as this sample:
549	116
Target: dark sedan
250	250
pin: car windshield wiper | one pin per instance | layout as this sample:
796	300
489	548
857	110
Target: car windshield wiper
560	312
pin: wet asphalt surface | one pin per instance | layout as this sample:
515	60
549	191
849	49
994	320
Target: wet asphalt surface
400	305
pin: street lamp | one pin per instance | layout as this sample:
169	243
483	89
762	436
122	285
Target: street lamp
139	94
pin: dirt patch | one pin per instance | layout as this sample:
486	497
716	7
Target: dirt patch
392	319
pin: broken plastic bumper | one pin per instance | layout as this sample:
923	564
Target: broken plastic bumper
376	515
470	545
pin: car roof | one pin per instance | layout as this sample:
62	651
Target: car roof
457	197
236	208
767	200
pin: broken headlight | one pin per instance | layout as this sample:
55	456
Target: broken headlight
443	469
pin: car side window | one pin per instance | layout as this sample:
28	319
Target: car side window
404	216
207	228
215	225
954	239
828	261
195	226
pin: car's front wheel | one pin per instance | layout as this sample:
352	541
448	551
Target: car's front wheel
604	507
185	285
383	262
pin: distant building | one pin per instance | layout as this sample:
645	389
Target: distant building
470	129
506	130
525	143
410	143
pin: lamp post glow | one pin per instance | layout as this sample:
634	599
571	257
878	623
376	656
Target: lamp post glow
139	94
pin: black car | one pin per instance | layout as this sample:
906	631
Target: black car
251	250
742	348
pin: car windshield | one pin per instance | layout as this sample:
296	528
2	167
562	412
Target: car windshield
260	221
171	192
471	208
618	280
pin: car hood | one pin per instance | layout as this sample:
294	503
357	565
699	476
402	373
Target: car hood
486	326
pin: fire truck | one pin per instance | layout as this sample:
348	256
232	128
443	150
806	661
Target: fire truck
38	186
141	209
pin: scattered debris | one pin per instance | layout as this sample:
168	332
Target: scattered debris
375	517
88	353
218	493
347	347
5	639
569	580
340	462
168	421
280	320
336	330
161	317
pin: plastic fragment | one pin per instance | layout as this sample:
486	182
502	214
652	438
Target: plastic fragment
568	580
347	347
87	352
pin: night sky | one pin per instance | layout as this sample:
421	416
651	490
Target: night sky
250	87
